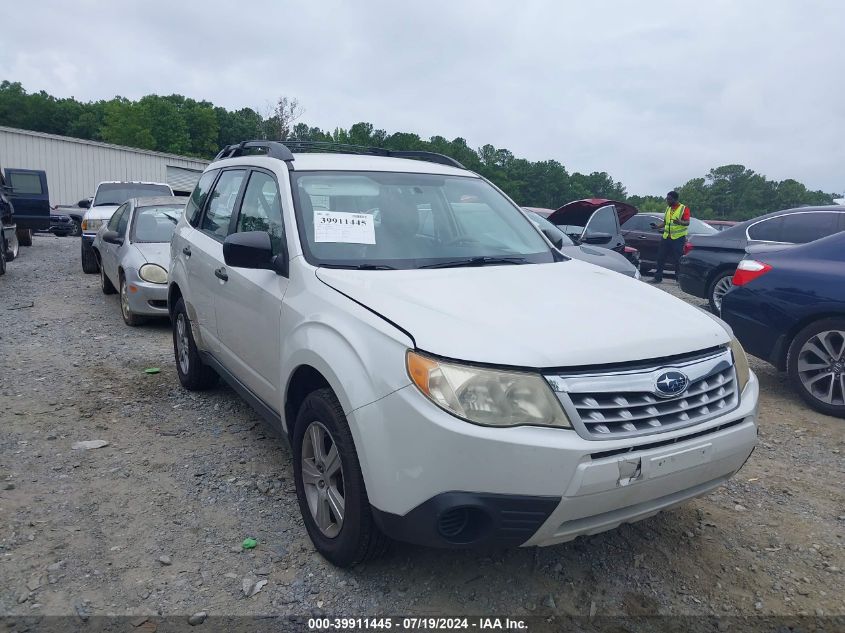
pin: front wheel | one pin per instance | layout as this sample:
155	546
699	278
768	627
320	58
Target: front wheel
194	374
12	248
76	231
25	237
815	364
89	258
329	484
130	318
105	283
2	253
719	287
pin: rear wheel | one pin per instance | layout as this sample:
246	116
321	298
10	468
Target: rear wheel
816	365
105	284
129	317
89	258
329	484
719	287
194	374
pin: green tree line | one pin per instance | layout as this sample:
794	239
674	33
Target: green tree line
180	125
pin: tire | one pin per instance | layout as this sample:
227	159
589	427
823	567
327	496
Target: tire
77	229
354	537
105	283
194	374
89	258
2	253
718	287
129	318
808	349
25	237
13	249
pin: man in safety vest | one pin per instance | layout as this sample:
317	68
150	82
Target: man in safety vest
675	226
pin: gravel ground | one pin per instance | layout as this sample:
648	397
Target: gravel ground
152	524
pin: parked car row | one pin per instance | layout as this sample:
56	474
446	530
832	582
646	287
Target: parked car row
358	303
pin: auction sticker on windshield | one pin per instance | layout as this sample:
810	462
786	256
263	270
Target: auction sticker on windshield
349	228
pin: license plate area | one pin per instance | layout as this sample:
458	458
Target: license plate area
672	462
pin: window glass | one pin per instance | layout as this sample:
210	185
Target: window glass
697	227
549	229
215	220
25	183
155	224
112	225
800	228
123	221
261	209
197	199
111	193
603	221
415	220
767	230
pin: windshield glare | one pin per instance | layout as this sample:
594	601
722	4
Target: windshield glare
404	220
552	232
155	224
119	192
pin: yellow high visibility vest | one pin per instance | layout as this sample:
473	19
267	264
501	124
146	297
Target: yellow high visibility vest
673	230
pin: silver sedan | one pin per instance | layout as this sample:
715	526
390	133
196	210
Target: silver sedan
133	251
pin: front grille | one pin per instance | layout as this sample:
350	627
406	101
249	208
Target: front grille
611	405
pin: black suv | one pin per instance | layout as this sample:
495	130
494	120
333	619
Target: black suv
709	261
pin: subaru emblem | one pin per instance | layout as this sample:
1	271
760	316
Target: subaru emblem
670	383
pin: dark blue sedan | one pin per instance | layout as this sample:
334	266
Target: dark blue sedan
788	308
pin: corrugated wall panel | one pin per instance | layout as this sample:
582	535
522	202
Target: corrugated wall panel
75	166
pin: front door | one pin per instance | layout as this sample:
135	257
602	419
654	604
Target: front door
249	303
30	198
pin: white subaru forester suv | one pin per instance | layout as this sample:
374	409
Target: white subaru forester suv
444	375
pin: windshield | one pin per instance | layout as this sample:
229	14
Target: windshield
551	231
155	224
403	220
116	193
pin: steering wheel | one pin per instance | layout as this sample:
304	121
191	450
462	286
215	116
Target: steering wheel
461	240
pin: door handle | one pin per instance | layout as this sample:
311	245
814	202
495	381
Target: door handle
220	273
186	251
642	237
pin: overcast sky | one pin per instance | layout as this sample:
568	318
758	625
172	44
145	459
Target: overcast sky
652	92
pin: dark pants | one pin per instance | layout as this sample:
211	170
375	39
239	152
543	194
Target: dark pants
671	249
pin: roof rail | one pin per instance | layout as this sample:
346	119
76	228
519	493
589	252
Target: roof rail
344	148
273	149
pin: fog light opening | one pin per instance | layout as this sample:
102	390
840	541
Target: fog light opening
463	525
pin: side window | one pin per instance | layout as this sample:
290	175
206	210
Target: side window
197	199
115	218
801	228
261	209
24	183
123	222
767	230
603	221
215	220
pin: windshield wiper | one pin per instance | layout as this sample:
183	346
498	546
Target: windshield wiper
360	266
477	261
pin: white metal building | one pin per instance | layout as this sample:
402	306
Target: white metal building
74	166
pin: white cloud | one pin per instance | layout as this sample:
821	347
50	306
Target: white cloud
654	93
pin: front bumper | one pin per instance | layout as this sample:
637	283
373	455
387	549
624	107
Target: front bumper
427	472
145	298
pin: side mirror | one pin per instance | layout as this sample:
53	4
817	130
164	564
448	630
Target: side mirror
596	238
554	238
84	204
112	237
252	249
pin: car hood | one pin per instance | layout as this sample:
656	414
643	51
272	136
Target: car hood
155	253
533	315
579	211
601	257
103	212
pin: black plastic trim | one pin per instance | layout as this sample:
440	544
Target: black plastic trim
273	149
267	413
505	520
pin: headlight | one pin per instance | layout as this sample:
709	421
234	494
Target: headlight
743	372
92	225
153	273
486	396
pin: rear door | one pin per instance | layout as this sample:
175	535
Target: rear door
249	302
639	234
206	270
30	198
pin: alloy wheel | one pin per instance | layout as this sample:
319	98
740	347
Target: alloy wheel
821	366
720	290
182	343
322	479
124	299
